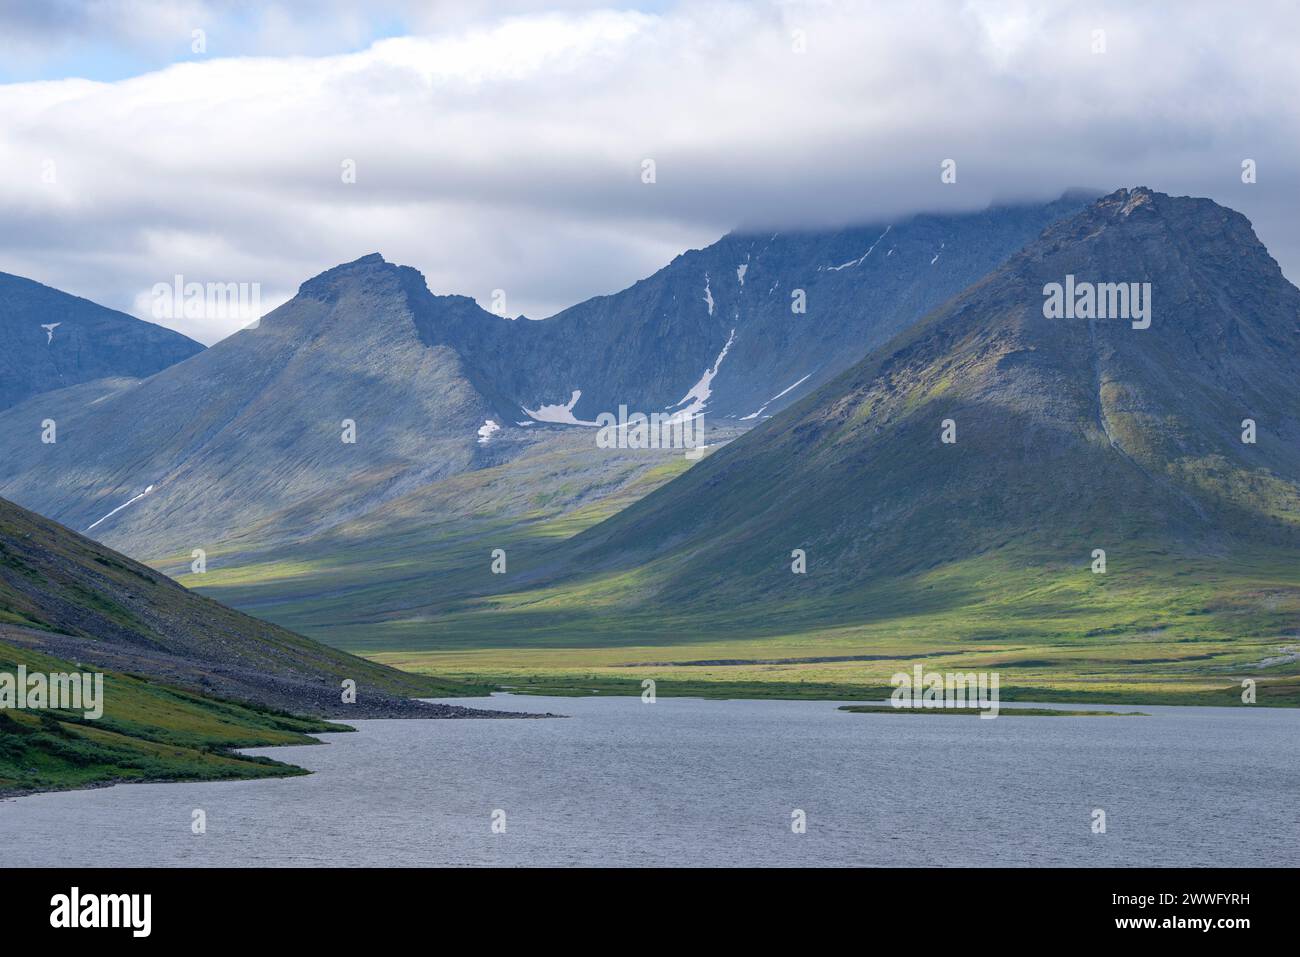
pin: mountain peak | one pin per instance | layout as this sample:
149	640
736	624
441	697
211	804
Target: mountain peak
1126	201
325	286
1139	223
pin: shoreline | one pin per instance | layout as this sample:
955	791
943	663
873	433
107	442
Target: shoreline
437	711
584	686
277	769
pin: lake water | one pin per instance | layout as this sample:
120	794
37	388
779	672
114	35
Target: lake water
694	782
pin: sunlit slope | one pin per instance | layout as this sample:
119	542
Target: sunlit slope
395	571
68	596
1072	435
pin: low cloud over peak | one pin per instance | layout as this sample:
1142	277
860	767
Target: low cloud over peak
511	153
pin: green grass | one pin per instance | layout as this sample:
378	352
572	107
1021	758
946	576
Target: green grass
412	589
371	582
148	732
1139	634
1157	628
1042	685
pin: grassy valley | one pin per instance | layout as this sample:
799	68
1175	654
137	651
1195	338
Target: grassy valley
1055	634
394	573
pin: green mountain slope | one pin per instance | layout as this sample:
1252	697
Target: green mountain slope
147	732
186	679
68	596
1072	435
381	577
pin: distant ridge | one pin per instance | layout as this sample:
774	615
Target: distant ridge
775	314
50	340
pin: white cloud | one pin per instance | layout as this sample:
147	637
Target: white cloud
507	153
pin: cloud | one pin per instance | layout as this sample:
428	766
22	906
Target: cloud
507	153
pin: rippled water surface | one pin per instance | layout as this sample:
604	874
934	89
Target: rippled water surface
695	782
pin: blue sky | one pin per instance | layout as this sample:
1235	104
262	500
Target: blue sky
73	54
110	40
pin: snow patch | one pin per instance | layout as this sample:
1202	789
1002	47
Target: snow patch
700	392
936	255
558	414
862	258
755	415
708	294
122	506
740	272
485	431
790	388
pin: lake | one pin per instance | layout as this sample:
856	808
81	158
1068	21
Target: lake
686	781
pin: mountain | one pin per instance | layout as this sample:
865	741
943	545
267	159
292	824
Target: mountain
378	579
50	340
238	451
716	329
1072	434
256	426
